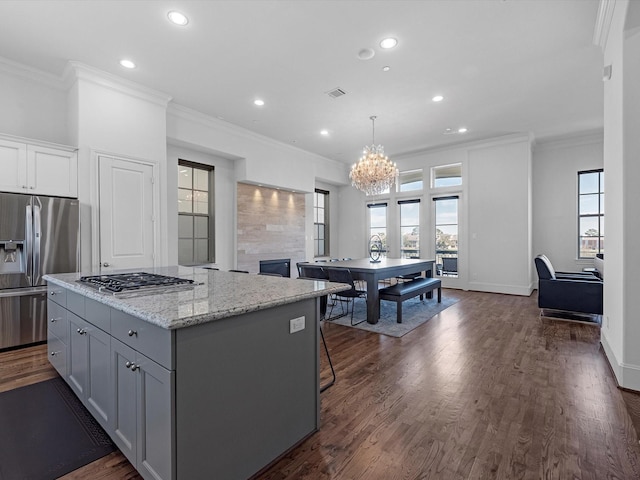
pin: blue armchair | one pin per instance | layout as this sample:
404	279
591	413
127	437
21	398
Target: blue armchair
574	292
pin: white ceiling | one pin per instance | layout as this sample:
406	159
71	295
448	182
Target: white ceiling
503	66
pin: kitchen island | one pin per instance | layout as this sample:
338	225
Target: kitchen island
214	380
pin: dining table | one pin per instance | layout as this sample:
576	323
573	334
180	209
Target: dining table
374	272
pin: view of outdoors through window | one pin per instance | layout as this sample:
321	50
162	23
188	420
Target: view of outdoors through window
447	175
410	180
590	213
446	219
320	222
378	224
195	223
410	228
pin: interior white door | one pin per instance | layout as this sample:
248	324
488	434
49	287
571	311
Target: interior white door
126	214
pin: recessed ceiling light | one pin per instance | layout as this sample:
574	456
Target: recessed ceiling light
258	102
462	130
437	98
177	18
324	132
388	43
127	63
386	68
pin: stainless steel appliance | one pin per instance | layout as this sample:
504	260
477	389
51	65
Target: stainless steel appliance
137	282
38	235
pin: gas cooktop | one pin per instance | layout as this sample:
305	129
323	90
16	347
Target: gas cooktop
133	282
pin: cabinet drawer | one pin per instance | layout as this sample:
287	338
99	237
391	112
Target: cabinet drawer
57	321
150	340
98	314
57	294
57	353
75	303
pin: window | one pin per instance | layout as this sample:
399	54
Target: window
446	176
590	213
410	180
321	223
409	228
446	219
195	213
378	224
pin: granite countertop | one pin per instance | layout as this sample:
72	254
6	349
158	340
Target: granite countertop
218	295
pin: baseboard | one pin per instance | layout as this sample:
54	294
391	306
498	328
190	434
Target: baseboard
627	376
501	288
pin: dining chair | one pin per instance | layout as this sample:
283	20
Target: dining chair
343	275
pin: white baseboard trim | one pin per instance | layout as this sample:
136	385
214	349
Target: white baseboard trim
627	376
500	288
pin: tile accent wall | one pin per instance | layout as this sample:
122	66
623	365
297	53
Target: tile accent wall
270	226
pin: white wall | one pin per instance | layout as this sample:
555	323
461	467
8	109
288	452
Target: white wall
495	205
499	218
32	104
224	203
122	119
260	160
555	191
631	198
613	325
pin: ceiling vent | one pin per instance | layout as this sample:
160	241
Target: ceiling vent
336	92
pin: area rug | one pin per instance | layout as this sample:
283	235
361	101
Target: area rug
45	432
414	314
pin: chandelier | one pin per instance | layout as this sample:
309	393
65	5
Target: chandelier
374	173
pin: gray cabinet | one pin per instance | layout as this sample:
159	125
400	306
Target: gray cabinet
248	378
57	336
143	398
110	360
89	370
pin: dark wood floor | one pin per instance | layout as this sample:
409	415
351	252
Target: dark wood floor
486	389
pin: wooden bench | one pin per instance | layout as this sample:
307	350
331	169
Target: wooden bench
403	290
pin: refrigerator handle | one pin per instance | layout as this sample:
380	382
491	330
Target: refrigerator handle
29	242
36	244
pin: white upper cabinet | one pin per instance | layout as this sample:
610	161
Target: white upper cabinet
38	169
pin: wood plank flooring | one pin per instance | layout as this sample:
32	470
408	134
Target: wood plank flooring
486	389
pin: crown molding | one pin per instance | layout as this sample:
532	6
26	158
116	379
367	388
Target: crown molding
75	71
587	137
208	121
30	73
603	23
469	144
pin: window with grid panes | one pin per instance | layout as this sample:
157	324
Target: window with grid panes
195	213
590	213
321	223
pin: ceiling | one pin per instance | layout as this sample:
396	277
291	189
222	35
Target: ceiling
503	66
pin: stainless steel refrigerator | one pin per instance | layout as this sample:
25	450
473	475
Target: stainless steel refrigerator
38	235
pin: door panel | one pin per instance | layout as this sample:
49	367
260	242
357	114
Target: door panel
124	399
126	214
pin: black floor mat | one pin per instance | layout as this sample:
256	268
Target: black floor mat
45	432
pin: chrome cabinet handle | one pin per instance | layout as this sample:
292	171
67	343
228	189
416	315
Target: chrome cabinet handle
132	366
54	320
131	333
81	331
105	264
52	293
53	354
